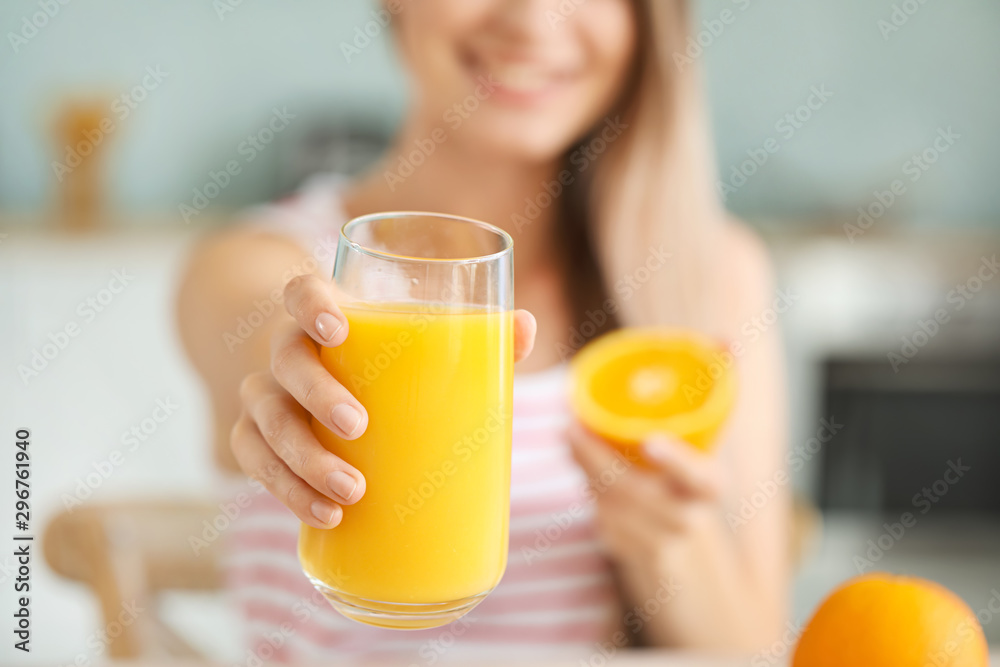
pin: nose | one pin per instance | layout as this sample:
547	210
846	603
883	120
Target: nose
527	20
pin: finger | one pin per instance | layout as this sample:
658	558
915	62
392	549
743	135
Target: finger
627	536
622	486
525	328
635	540
296	366
309	300
690	471
603	465
642	496
260	462
284	425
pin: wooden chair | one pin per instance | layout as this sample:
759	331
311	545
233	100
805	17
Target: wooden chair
129	552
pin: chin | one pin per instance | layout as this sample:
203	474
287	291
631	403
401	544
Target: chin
529	142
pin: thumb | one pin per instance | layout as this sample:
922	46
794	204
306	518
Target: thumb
525	328
688	469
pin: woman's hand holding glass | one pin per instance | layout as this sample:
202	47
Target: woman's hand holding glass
272	439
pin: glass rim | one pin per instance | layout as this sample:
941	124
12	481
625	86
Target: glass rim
507	239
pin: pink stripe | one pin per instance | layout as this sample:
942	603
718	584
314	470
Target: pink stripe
535	406
552	535
266	540
555	568
596	592
275	615
298	585
266	575
534	542
519	507
361	638
266	504
537	476
541	539
295	583
286	542
555	459
535	505
541	504
599	593
268	652
539	436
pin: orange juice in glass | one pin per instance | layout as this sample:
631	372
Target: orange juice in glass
429	353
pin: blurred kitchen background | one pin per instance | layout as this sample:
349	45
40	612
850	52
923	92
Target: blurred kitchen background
889	298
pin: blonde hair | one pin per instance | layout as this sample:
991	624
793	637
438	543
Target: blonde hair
652	191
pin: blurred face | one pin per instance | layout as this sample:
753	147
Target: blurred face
518	78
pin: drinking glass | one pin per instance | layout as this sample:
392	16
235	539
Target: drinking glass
429	353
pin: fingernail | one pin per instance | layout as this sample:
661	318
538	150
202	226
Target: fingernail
342	484
326	513
327	325
347	418
656	448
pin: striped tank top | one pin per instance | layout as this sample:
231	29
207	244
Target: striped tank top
558	592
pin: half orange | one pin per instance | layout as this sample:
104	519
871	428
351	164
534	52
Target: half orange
634	383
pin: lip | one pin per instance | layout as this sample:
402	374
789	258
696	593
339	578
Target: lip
552	81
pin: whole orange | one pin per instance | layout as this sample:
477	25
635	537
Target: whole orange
885	620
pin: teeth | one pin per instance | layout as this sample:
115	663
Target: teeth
520	78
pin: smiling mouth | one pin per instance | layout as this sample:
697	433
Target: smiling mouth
520	82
